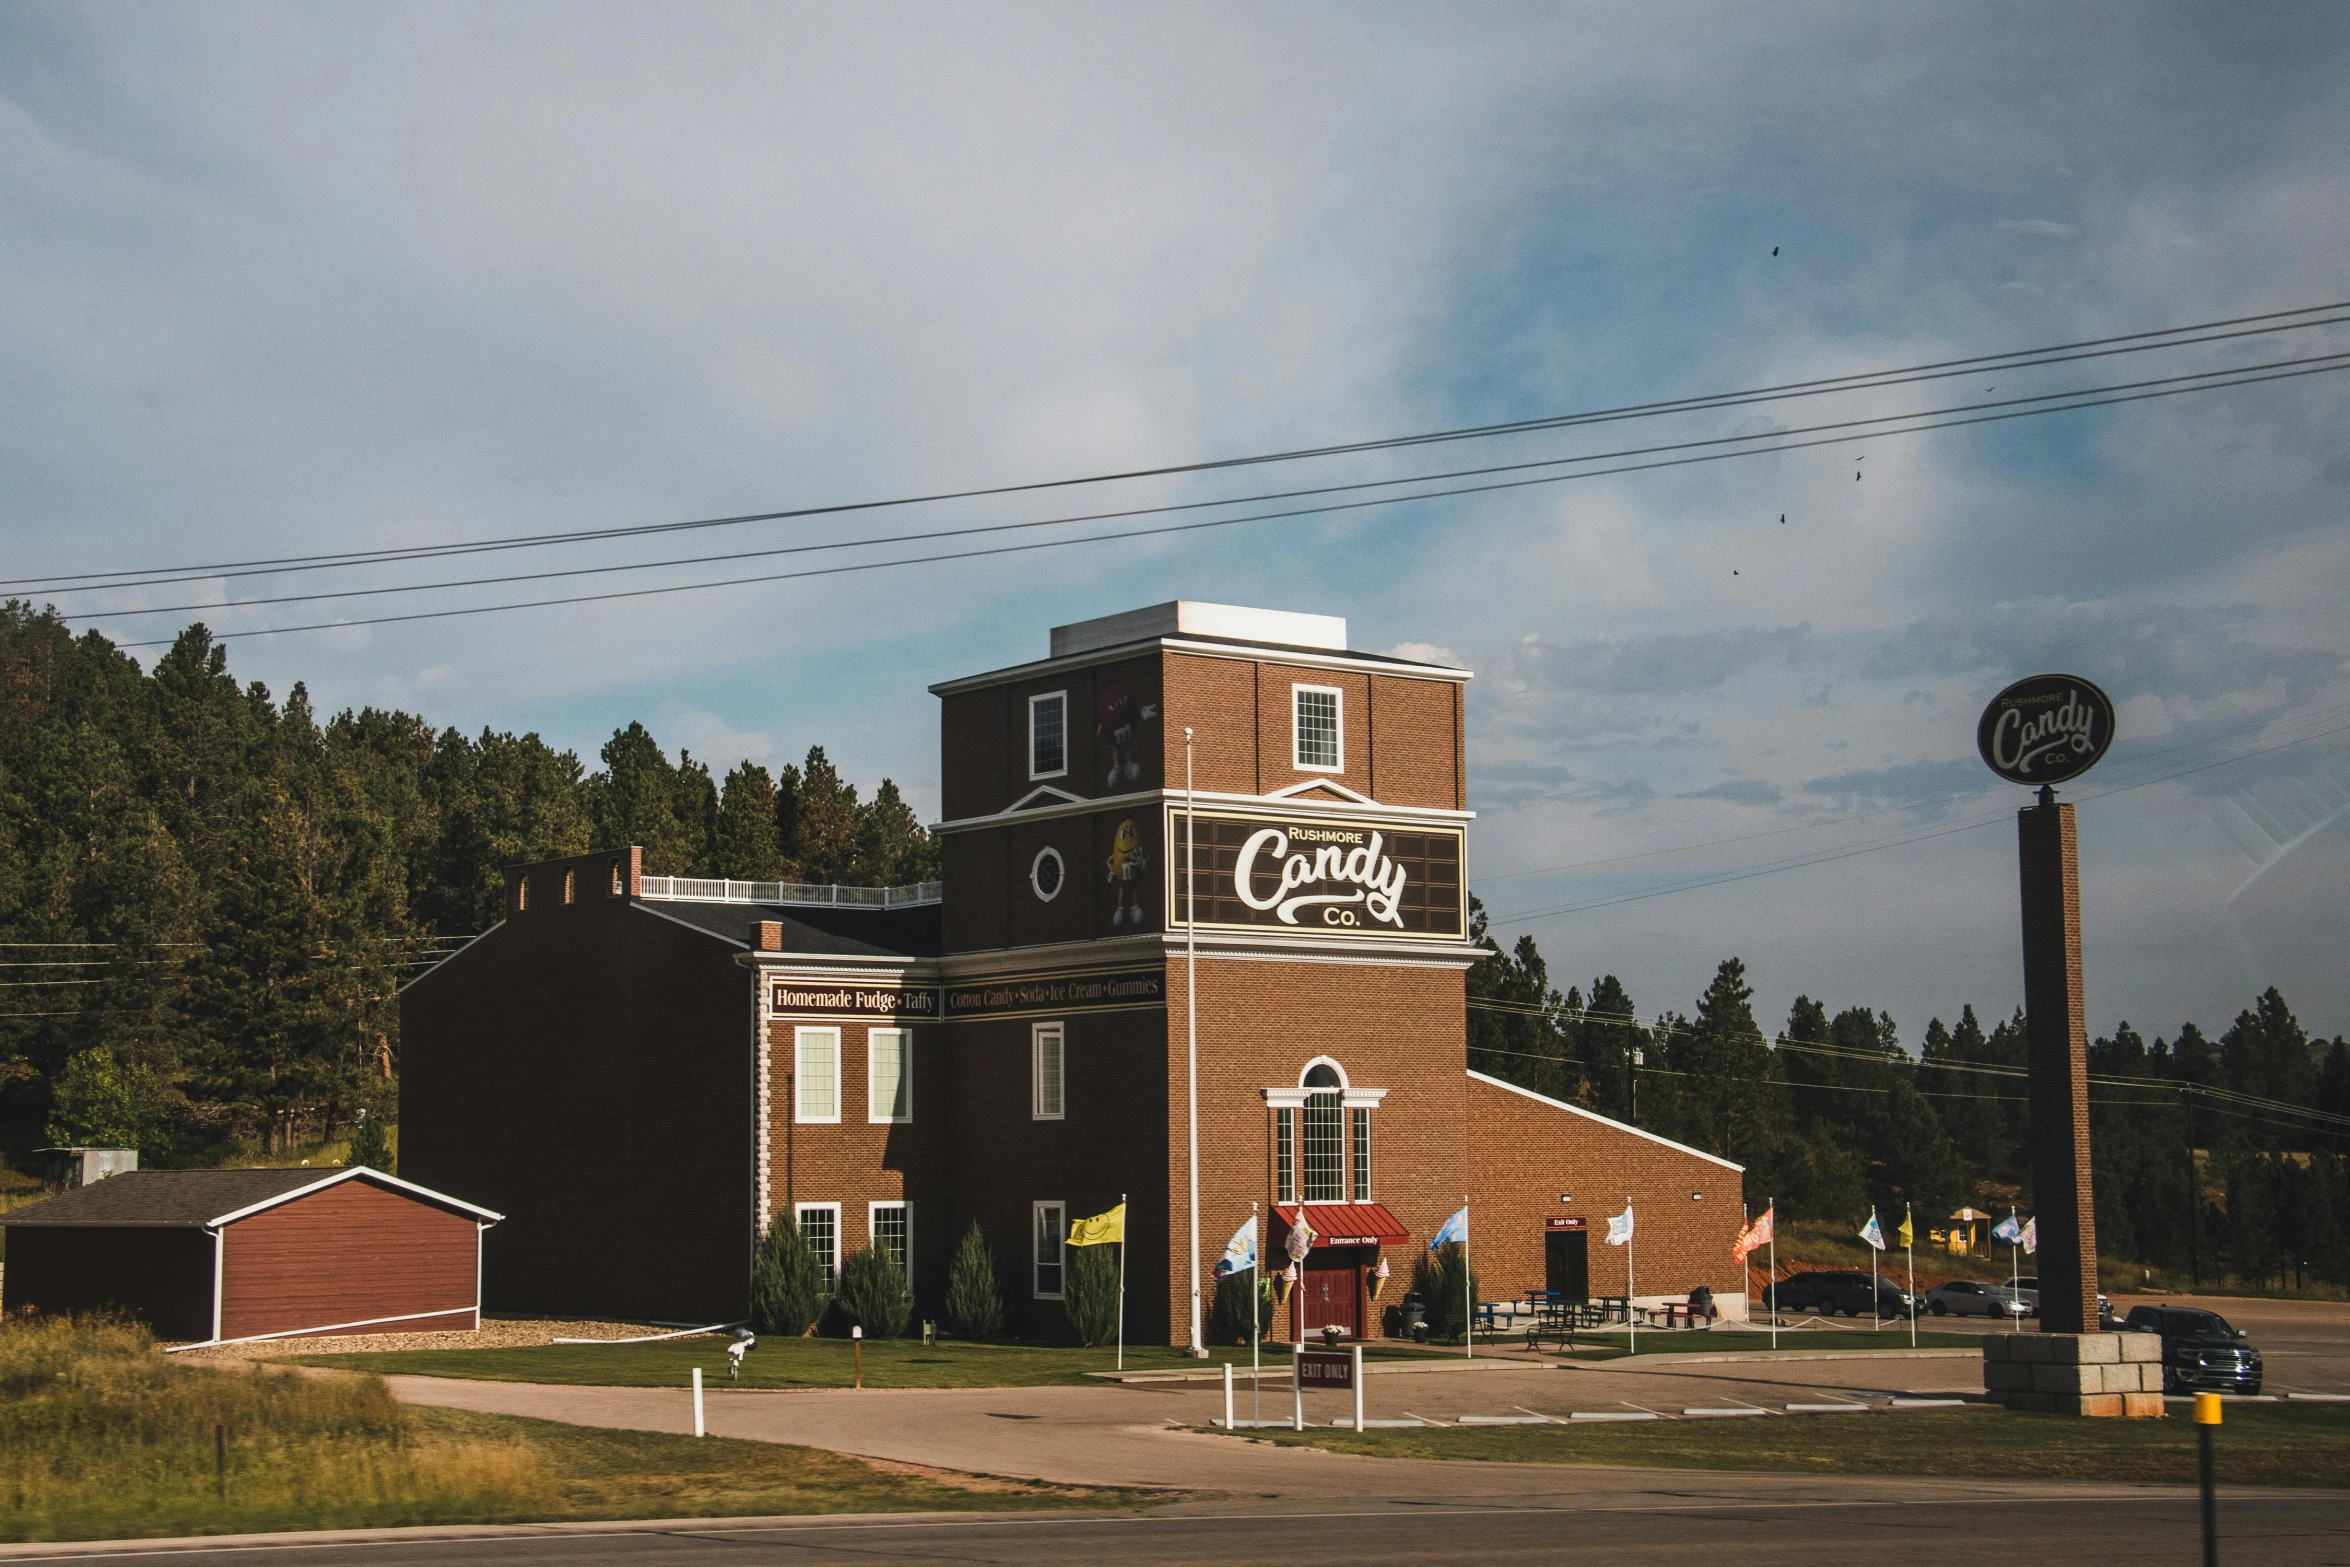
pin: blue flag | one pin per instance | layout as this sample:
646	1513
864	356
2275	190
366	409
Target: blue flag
1455	1228
1871	1233
2009	1230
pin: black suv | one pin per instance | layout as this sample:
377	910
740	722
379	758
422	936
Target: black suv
1829	1293
2200	1352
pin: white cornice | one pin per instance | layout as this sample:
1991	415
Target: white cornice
1267	804
1244	652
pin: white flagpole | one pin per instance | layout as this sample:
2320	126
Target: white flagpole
1256	1304
1199	1347
1631	1288
1876	1311
1121	1281
1909	1226
2015	1271
1773	1211
1468	1289
1746	1257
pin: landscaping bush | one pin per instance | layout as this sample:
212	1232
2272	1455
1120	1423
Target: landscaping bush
788	1287
1090	1293
1446	1286
1228	1315
371	1145
872	1295
975	1298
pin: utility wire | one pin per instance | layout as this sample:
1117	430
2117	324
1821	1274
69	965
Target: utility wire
2057	400
1225	522
2163	338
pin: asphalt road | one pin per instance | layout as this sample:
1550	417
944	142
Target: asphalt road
1664	1518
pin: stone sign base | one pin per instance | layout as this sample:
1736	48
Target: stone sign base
2109	1374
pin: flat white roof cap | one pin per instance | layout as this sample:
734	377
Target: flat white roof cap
1186	617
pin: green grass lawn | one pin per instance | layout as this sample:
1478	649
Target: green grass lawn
772	1363
2261	1444
905	1363
103	1438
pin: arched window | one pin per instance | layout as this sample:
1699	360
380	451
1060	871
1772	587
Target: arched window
1325	1146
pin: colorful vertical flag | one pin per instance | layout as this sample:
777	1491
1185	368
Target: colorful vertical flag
1870	1233
1240	1252
1754	1237
1906	1235
1454	1229
1619	1226
1301	1236
2031	1236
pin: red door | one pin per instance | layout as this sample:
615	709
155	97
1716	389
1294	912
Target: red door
1330	1291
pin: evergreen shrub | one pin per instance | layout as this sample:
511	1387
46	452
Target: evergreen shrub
788	1287
975	1297
1091	1293
1446	1287
872	1295
1228	1314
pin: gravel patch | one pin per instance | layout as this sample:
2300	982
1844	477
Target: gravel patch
495	1333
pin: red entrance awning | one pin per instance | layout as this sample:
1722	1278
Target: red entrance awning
1338	1224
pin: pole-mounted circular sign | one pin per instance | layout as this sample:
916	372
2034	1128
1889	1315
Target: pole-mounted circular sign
2045	729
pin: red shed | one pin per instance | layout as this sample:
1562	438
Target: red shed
245	1254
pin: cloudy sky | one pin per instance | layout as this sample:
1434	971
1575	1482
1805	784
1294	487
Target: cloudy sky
280	280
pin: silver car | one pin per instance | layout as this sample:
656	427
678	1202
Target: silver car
1971	1298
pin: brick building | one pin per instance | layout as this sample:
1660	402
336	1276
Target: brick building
641	1072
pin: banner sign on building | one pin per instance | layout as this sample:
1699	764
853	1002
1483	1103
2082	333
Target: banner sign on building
798	997
1331	877
2045	729
1120	990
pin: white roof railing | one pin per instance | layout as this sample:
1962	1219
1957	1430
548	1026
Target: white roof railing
704	889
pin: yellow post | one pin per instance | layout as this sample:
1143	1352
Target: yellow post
2207	1409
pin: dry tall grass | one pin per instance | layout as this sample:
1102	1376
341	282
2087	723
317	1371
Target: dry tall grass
101	1435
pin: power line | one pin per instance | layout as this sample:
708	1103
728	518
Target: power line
2056	402
1225	522
2161	338
1824	857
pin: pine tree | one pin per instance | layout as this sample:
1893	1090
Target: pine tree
788	1287
822	821
975	1297
893	849
747	847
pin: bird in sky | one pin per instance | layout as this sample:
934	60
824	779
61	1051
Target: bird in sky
1782	519
1774	250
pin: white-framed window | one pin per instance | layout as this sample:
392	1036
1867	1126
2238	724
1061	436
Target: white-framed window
1324	1151
820	1227
1047	875
1048	735
891	1227
1048	1078
1316	713
1051	1230
1361	1119
1285	1155
889	1075
816	1069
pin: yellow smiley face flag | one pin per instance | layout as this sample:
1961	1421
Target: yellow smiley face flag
1908	1236
1100	1230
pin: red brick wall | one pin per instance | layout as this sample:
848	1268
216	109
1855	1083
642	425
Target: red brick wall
857	1162
1416	743
349	1253
1397	1028
1524	1152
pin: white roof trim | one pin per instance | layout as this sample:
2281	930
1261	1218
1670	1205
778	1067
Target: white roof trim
1311	784
354	1172
1607	1121
471	942
699	930
1043	792
1263	653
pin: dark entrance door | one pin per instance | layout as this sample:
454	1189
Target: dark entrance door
1566	1263
1330	1288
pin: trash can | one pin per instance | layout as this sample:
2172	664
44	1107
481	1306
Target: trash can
1412	1317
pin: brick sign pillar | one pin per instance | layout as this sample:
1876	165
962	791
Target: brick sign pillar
2058	1039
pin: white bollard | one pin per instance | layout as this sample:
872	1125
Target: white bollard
1358	1348
698	1401
1227	1395
1297	1384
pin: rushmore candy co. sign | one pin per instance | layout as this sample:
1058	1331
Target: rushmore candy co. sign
1320	877
2045	729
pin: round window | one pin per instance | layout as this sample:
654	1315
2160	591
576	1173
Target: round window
1047	874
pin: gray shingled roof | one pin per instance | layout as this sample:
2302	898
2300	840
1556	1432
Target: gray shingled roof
149	1199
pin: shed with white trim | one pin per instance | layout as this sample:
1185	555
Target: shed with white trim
243	1254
